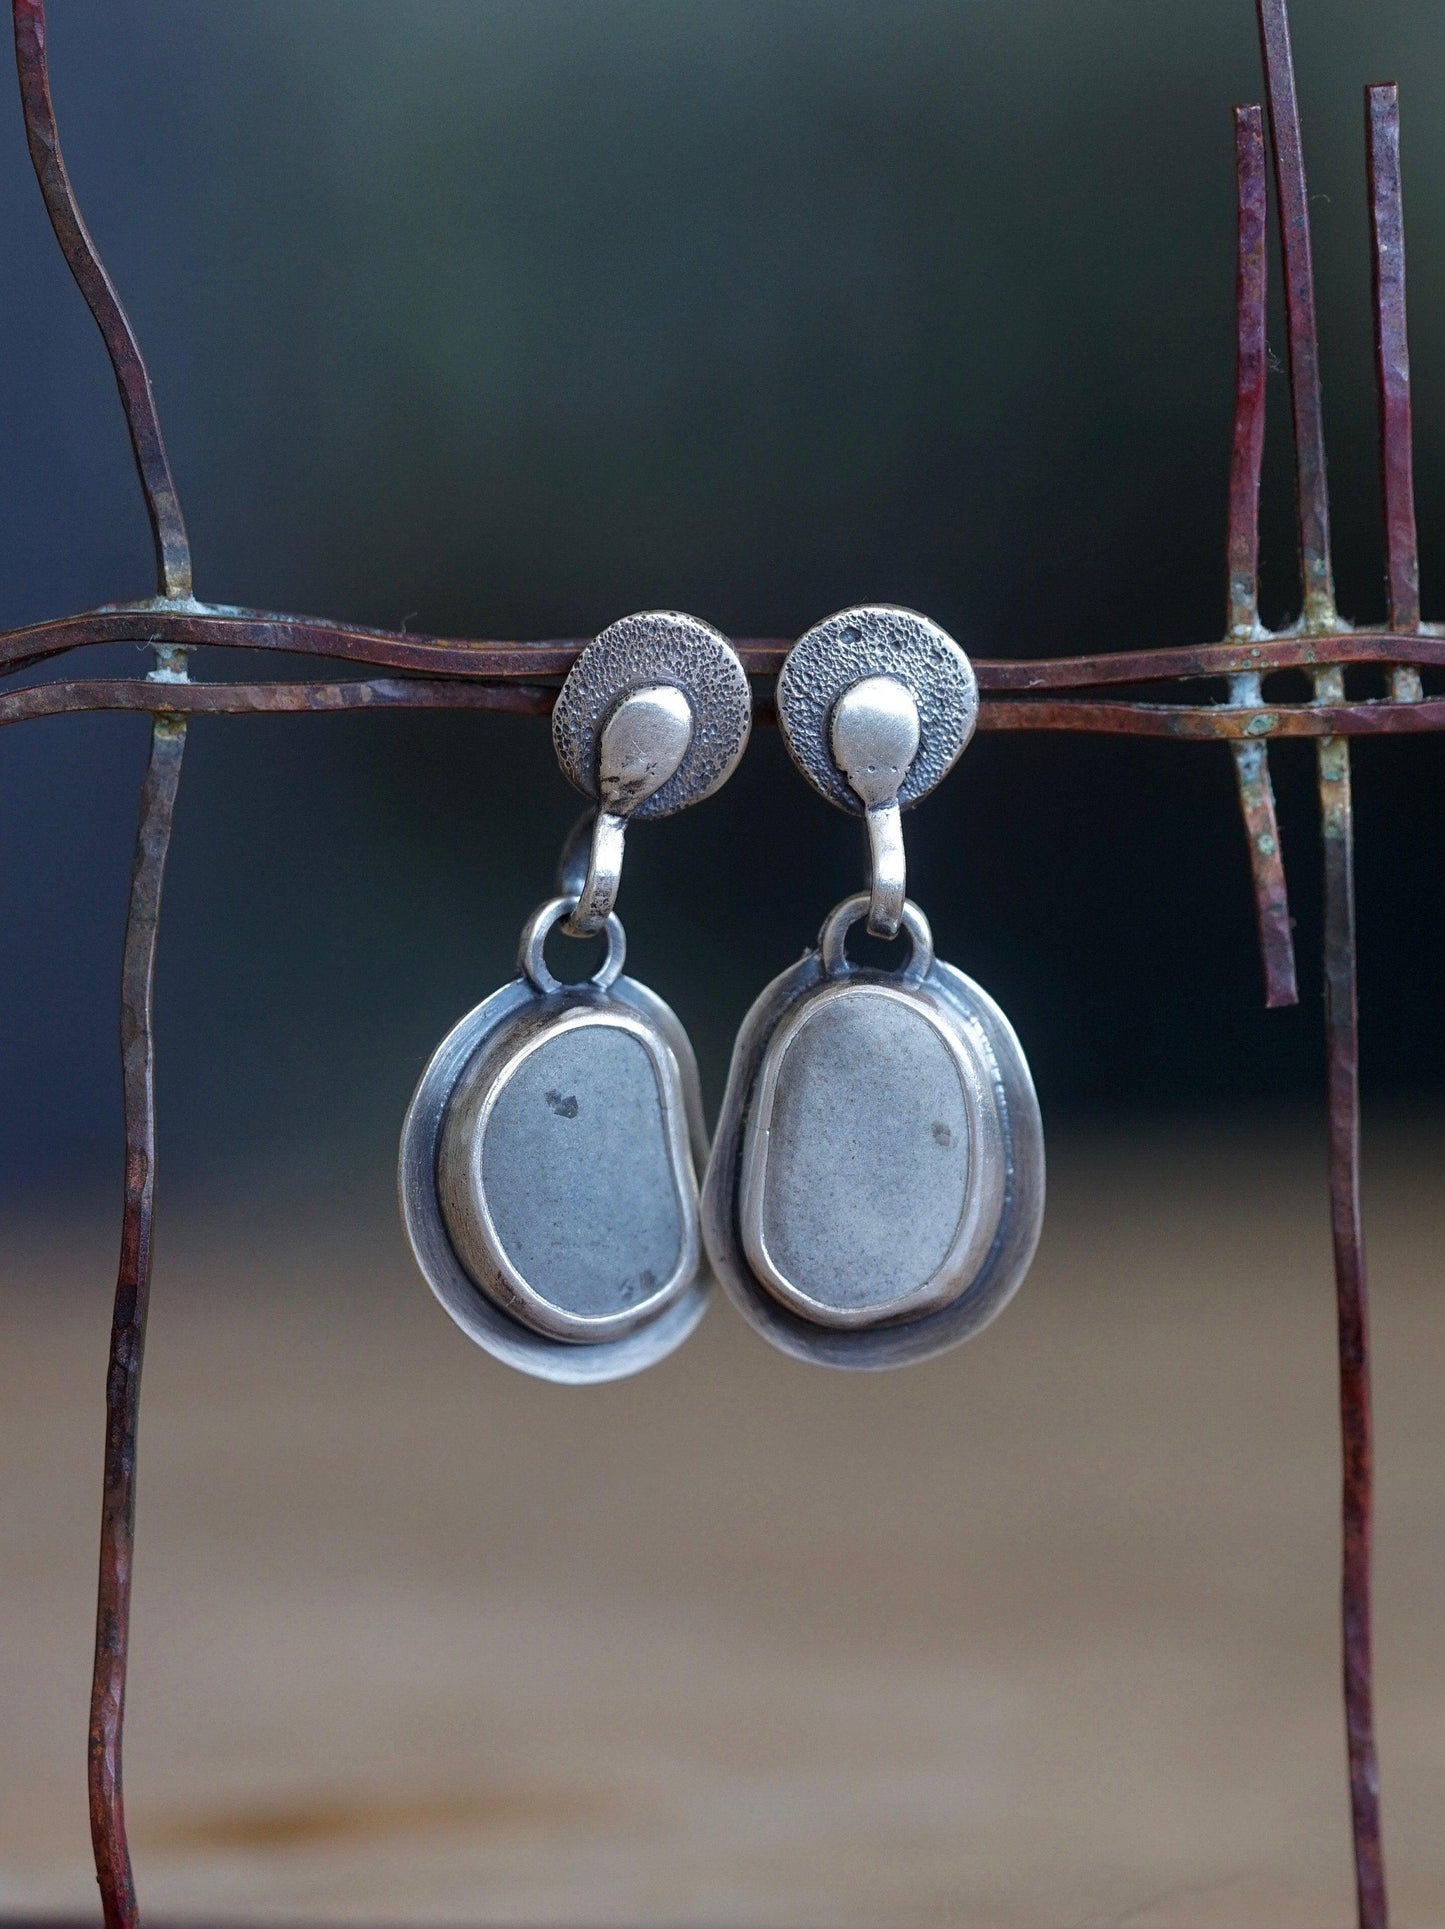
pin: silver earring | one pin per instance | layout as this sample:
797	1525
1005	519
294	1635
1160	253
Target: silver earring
550	1157
876	1186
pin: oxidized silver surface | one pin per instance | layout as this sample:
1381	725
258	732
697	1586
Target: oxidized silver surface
876	1188
657	649
876	640
874	737
548	1171
643	742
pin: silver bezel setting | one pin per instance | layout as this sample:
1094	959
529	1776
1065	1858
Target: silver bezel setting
983	1189
464	1203
957	1001
483	1318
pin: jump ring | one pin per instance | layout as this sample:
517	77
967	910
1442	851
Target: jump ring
533	965
840	921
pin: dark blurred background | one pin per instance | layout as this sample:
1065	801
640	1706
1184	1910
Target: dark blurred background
506	319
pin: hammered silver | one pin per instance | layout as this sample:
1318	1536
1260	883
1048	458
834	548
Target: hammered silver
657	647
876	640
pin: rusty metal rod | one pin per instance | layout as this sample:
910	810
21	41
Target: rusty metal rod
1342	1029
128	1328
1312	497
1392	374
1251	368
550	659
275	699
173	550
1352	1313
158	794
1272	919
1206	723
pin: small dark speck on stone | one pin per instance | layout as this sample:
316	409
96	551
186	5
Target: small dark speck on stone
565	1108
942	1134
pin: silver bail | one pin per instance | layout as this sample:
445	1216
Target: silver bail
874	734
642	746
654	715
875	705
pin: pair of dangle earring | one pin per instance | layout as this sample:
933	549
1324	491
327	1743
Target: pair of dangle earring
875	1192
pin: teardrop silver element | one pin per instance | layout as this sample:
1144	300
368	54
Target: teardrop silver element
643	743
875	735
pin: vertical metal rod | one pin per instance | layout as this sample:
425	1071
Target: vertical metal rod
1392	371
1251	364
1251	760
168	527
1341	1014
128	1328
1352	1303
1299	295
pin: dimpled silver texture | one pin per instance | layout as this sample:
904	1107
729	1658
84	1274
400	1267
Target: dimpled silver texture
876	640
658	647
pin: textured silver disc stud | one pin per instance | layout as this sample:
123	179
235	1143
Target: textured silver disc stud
654	715
875	705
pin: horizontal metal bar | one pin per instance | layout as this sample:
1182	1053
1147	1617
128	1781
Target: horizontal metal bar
763	656
1213	723
1204	723
271	699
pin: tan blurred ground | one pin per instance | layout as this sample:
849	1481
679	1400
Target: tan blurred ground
1039	1634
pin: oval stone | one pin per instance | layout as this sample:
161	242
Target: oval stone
858	1161
560	1179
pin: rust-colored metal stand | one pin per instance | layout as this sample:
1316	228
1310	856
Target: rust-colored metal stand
1021	695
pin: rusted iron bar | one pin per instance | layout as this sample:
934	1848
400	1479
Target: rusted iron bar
272	699
173	550
128	1329
157	803
1266	859
1299	295
549	660
1392	373
158	794
1251	367
1214	723
1204	723
304	636
1342	1028
1352	1312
